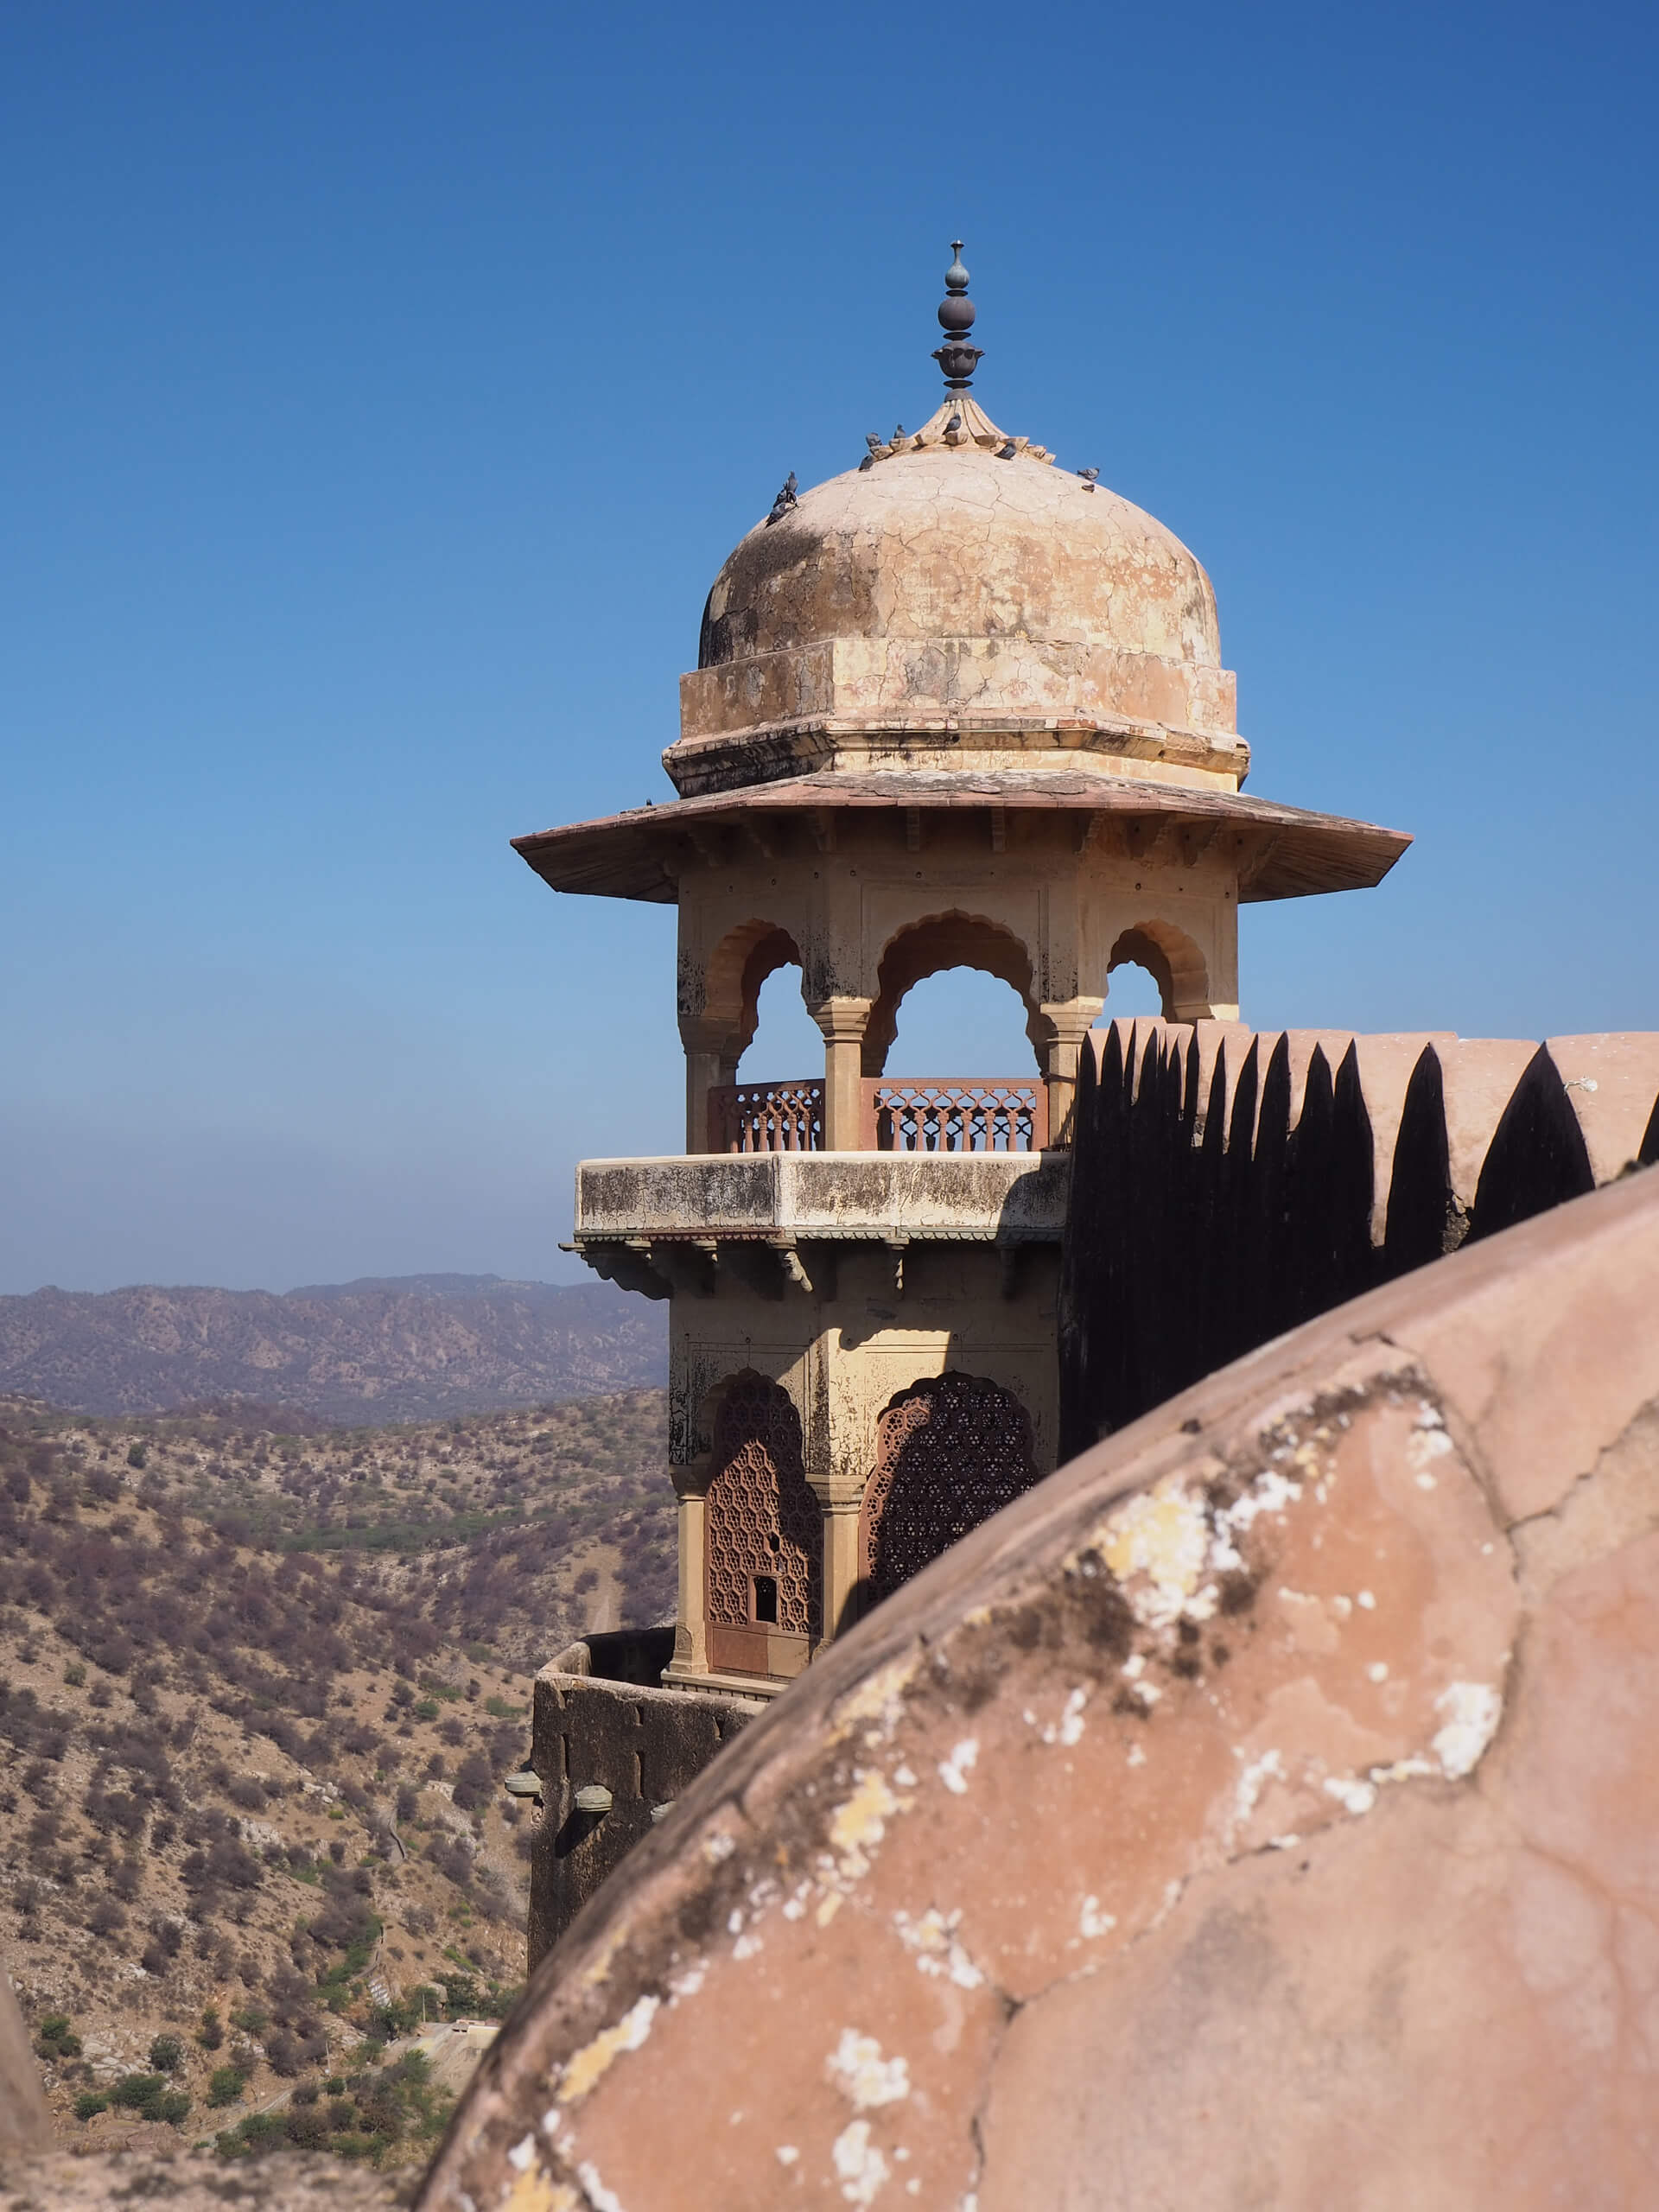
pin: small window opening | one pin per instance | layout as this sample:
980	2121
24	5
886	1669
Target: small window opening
766	1599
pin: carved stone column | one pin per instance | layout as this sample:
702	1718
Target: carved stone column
1058	1030
841	1566
691	1660
711	1058
842	1021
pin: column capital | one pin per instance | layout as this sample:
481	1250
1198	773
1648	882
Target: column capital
841	1020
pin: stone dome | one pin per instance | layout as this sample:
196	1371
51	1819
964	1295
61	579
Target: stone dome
949	544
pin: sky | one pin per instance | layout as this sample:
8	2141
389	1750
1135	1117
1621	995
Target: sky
385	386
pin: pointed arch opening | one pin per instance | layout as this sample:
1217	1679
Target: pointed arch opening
929	947
1174	965
739	965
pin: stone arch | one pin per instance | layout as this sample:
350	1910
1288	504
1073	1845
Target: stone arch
1174	962
936	942
736	969
763	1541
950	1450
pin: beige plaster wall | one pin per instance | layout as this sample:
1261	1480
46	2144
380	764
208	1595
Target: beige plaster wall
882	1321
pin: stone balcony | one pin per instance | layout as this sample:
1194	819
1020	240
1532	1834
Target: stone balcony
659	1225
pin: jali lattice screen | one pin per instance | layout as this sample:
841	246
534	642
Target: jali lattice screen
763	1520
952	1450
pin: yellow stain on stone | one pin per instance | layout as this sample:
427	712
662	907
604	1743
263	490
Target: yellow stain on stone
534	2192
862	1820
594	2059
1162	1535
878	1697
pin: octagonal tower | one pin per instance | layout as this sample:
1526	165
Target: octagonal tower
956	707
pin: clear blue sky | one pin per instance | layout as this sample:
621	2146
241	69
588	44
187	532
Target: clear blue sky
384	386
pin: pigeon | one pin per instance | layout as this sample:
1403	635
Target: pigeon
954	423
1089	476
874	443
898	433
783	502
1007	451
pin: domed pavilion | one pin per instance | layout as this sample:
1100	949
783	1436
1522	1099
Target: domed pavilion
958	706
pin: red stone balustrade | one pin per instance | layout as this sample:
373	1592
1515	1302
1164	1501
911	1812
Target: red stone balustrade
955	1114
766	1116
914	1114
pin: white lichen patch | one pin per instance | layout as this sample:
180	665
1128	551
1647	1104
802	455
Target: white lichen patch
1252	1780
1472	1712
746	1947
864	2077
860	2167
601	2198
1271	1491
594	2059
1092	1923
1412	1770
1427	1443
954	1771
938	1948
1353	1795
787	2154
1068	1729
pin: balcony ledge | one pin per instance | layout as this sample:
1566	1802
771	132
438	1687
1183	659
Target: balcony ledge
837	1197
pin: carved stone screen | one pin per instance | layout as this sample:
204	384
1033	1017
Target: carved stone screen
950	1452
765	1530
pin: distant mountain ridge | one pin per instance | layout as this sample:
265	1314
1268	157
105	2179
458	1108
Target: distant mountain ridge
381	1348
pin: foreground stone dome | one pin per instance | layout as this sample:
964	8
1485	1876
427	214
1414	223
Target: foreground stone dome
944	544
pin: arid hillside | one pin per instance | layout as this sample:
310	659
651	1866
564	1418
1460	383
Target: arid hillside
258	1690
413	1348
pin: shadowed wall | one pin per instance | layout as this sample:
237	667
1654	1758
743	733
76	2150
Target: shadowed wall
1227	1185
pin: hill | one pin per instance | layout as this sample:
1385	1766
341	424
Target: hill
258	1689
416	1348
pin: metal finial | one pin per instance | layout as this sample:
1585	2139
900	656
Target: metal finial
957	357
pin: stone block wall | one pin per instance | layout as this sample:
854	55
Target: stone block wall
600	1720
1229	1184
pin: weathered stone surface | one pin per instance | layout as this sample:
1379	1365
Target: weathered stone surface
867	1196
642	1743
1072	598
1258	1812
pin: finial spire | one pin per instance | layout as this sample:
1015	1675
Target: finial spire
956	357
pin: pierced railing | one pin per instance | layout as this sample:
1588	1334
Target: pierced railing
918	1114
767	1117
955	1114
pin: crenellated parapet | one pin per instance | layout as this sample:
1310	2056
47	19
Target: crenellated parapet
1229	1184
